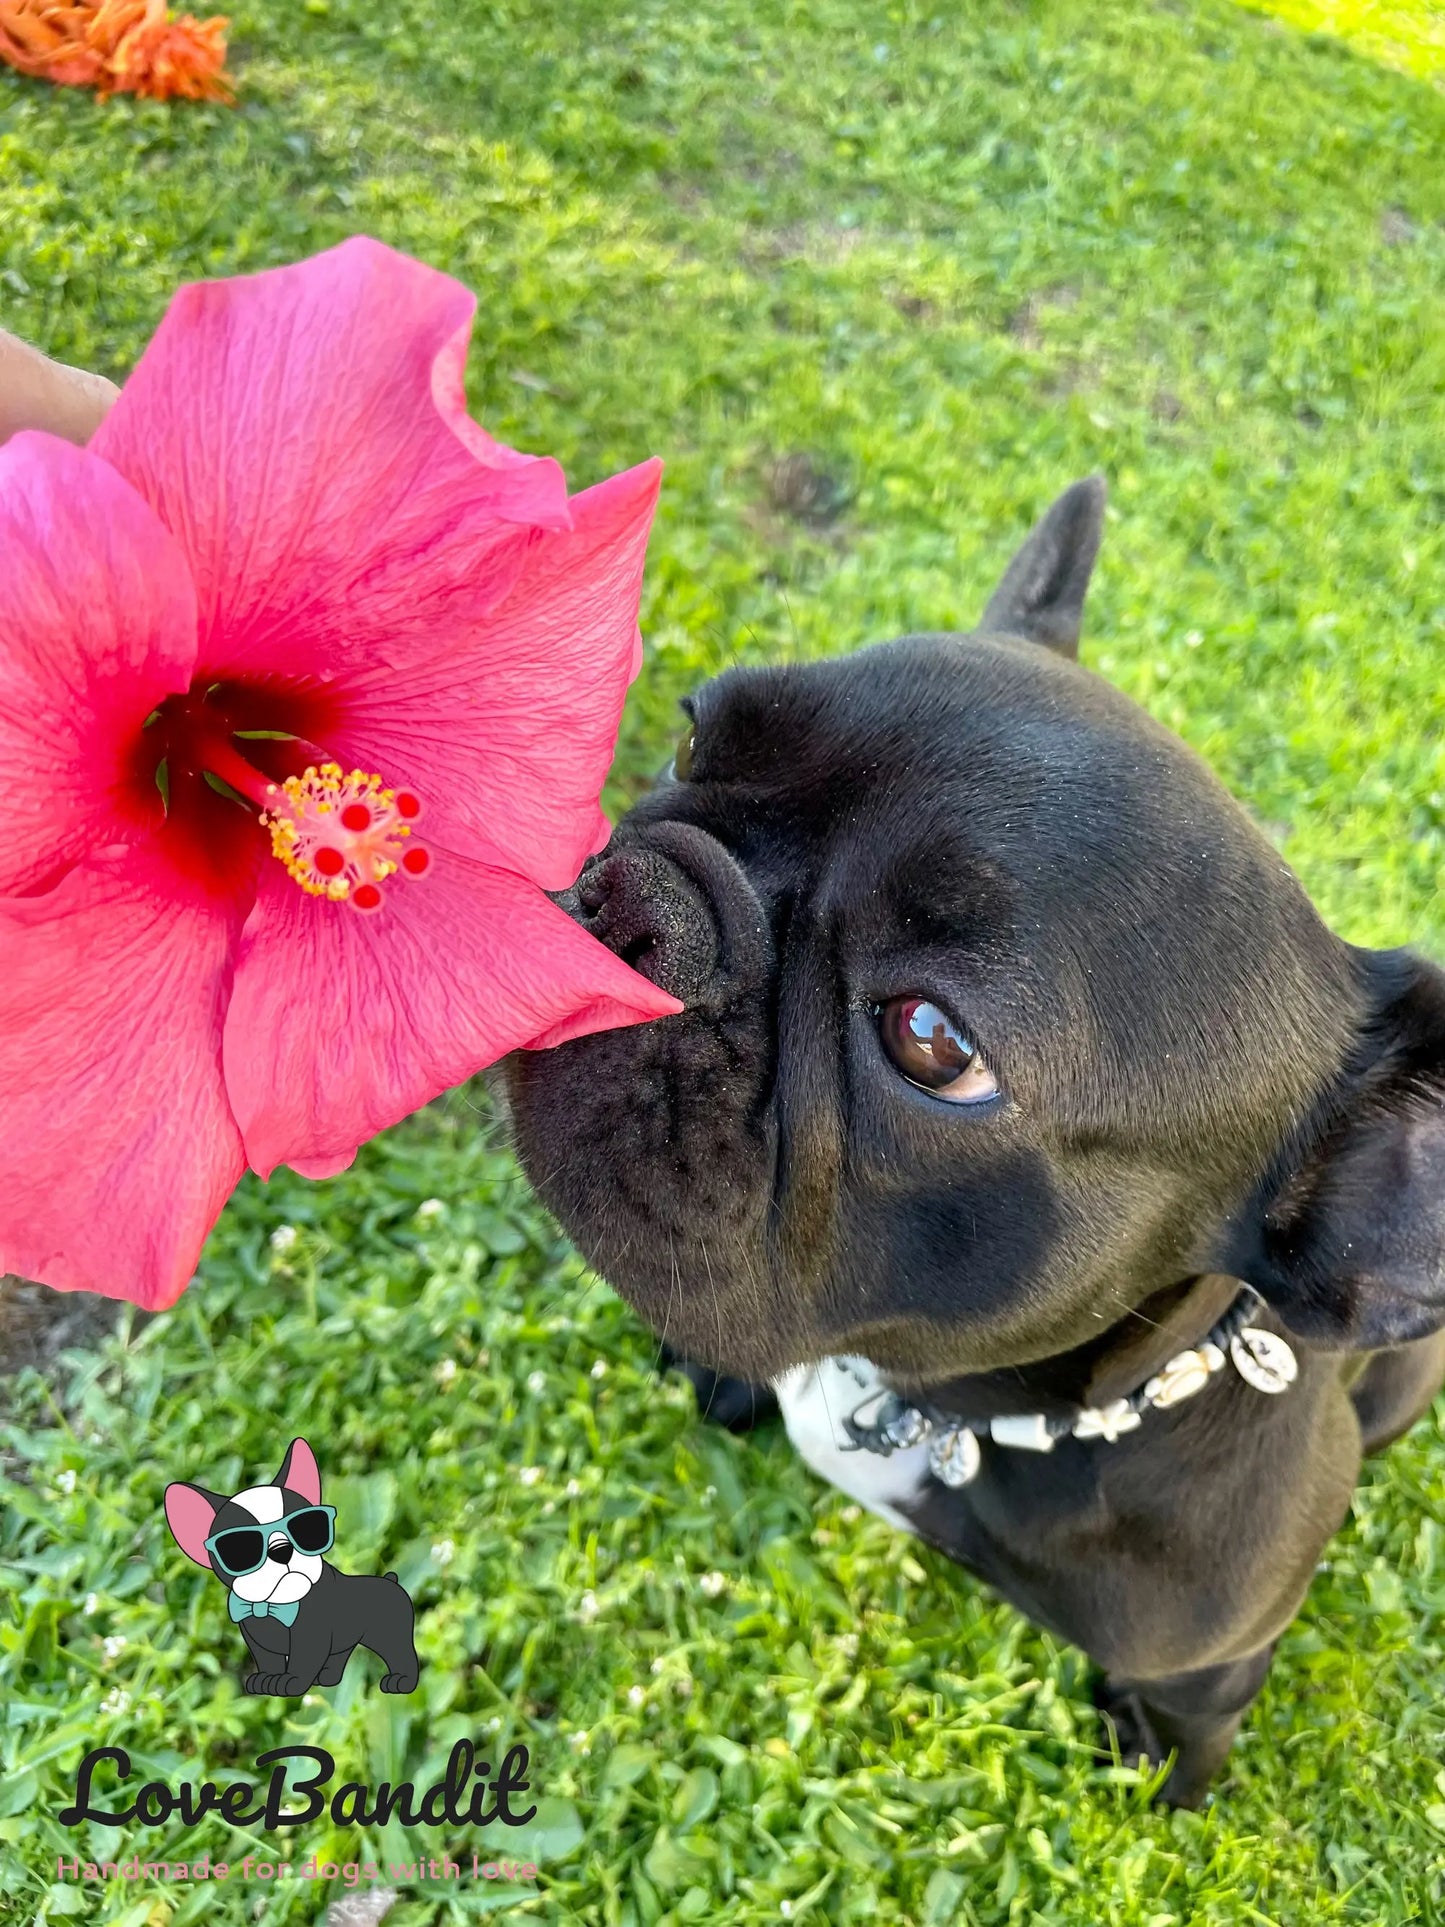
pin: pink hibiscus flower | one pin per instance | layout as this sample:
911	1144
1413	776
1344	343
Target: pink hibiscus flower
307	692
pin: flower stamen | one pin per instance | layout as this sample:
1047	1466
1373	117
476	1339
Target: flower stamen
341	835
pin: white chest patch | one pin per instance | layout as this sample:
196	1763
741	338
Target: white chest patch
815	1399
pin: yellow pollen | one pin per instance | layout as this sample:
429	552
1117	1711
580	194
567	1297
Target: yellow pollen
340	834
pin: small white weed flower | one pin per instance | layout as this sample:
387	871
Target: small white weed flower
430	1208
573	1489
599	1368
536	1382
635	1696
114	1645
283	1237
712	1583
530	1475
92	1602
65	1481
444	1551
588	1608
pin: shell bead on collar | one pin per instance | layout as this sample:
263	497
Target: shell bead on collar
1263	1360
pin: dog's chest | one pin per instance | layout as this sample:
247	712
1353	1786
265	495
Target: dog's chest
815	1400
271	1633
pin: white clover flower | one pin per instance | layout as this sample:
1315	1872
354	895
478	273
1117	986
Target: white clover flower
530	1474
114	1645
712	1583
635	1696
92	1602
588	1608
536	1382
283	1237
65	1482
430	1208
444	1371
599	1368
444	1551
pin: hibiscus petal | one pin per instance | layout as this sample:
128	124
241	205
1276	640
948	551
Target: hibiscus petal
117	1145
303	433
507	735
340	1023
97	624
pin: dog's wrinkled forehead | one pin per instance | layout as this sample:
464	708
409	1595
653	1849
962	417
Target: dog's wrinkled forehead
982	815
259	1505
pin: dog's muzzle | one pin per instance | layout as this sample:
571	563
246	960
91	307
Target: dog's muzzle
673	903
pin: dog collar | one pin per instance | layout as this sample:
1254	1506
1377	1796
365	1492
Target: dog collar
263	1609
1261	1358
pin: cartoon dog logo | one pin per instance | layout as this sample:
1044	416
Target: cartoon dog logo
301	1618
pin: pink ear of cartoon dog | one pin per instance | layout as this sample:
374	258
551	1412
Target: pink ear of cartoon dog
300	1472
190	1514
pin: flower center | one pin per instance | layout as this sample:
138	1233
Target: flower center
339	834
342	836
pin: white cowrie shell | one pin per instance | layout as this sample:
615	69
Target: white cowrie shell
1181	1378
1264	1360
953	1457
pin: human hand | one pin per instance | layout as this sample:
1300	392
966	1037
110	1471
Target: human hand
36	392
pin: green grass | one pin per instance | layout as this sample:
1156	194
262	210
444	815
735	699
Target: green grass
953	257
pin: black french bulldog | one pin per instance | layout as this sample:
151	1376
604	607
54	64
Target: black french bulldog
301	1618
1013	1057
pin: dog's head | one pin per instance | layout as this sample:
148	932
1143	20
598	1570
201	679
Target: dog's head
1002	1018
266	1542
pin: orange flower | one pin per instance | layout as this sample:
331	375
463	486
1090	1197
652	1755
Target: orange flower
117	47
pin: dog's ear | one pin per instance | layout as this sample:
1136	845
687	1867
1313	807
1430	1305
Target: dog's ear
1042	594
190	1514
300	1472
1351	1244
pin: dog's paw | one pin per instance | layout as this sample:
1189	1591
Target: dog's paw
281	1685
1123	1713
730	1402
400	1682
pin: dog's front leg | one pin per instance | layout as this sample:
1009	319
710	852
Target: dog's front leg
310	1649
1193	1715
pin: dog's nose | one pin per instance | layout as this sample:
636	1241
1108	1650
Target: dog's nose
280	1551
654	915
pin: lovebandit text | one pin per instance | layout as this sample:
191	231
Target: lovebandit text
447	1804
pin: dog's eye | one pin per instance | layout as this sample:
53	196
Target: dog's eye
682	756
932	1052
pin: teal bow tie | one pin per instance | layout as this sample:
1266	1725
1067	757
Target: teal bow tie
245	1608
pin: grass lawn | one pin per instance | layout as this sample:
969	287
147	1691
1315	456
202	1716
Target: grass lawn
877	281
